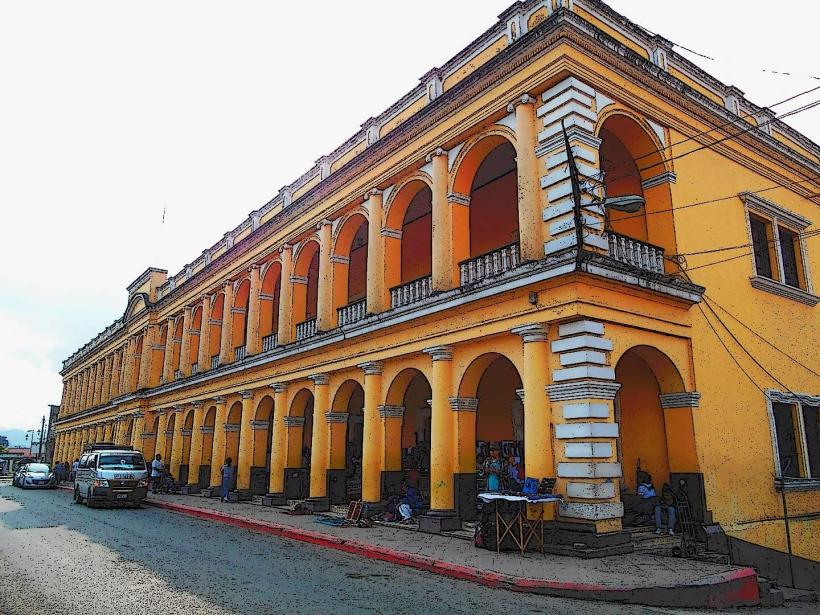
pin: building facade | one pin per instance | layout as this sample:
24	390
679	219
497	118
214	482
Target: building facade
439	283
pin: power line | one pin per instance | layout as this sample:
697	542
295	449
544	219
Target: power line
805	235
724	260
757	335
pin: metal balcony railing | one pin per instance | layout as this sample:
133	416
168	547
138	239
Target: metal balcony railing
306	329
636	253
411	292
269	342
239	353
177	374
490	264
215	361
194	368
352	312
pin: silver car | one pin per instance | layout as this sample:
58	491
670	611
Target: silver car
35	476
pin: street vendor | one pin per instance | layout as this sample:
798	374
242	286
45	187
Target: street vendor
493	468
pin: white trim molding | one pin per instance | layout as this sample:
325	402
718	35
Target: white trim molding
686	399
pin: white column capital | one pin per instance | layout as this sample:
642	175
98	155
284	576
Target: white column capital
372	368
536	332
279	387
293	421
440	353
220	399
463	404
336	417
246	394
319	379
525	99
436	152
391	411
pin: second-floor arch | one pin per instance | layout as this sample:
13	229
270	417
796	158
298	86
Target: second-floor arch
409	232
349	260
305	285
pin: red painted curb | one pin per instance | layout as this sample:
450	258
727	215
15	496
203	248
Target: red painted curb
731	589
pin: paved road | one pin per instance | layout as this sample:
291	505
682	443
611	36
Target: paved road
154	561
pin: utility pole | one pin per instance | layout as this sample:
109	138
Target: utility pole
42	433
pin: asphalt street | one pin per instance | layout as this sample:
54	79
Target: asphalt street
59	557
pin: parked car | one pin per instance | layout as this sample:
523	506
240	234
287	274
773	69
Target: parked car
34	476
111	474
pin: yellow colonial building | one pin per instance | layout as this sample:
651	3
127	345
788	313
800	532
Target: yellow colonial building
440	282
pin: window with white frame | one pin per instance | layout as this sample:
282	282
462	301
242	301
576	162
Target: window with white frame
778	249
795	421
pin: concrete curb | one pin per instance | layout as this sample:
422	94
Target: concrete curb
735	588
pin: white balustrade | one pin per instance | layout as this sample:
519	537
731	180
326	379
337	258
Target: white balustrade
194	368
215	361
411	292
306	329
490	265
635	253
239	353
352	313
269	342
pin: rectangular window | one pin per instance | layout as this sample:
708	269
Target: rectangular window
760	242
788	256
811	426
787	443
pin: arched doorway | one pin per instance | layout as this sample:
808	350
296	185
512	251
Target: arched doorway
232	430
409	243
262	443
171	426
305	290
148	437
350	270
346	436
269	305
187	434
653	440
630	156
176	348
411	391
207	447
490	386
299	425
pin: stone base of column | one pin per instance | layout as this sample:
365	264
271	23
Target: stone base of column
317	505
212	492
391	483
337	486
581	540
240	495
274	499
466	496
189	489
371	509
438	521
297	483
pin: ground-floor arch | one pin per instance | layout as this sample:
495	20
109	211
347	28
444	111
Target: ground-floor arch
262	442
346	433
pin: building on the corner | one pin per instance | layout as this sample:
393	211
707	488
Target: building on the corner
51	433
430	287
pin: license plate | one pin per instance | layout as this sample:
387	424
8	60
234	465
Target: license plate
122	496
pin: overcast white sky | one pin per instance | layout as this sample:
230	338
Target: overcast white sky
110	111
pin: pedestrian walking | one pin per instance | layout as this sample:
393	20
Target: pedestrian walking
228	475
74	466
157	469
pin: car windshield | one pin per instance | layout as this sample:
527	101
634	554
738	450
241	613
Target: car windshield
122	461
37	467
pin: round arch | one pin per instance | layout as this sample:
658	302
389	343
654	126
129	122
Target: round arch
346	431
196	325
270	294
215	329
350	271
262	444
208	426
239	314
305	292
409	249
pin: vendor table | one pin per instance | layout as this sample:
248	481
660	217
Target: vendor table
520	527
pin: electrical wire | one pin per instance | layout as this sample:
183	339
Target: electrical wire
801	235
757	335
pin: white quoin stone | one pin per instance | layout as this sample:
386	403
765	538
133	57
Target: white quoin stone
577	469
591	491
585	411
579	342
591	512
568	431
581	326
590	450
585	371
583	356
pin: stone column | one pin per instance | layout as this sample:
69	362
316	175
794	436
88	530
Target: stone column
276	487
168	353
325	318
218	454
530	222
376	301
537	412
185	346
245	461
204	359
443	265
148	340
161	426
225	345
253	343
108	372
195	460
108	428
136	430
285	333
116	374
442	515
337	449
586	435
391	418
373	440
176	446
319	449
127	367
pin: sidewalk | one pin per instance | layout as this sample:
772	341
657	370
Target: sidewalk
634	578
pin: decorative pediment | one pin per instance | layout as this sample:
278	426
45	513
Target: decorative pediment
136	304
